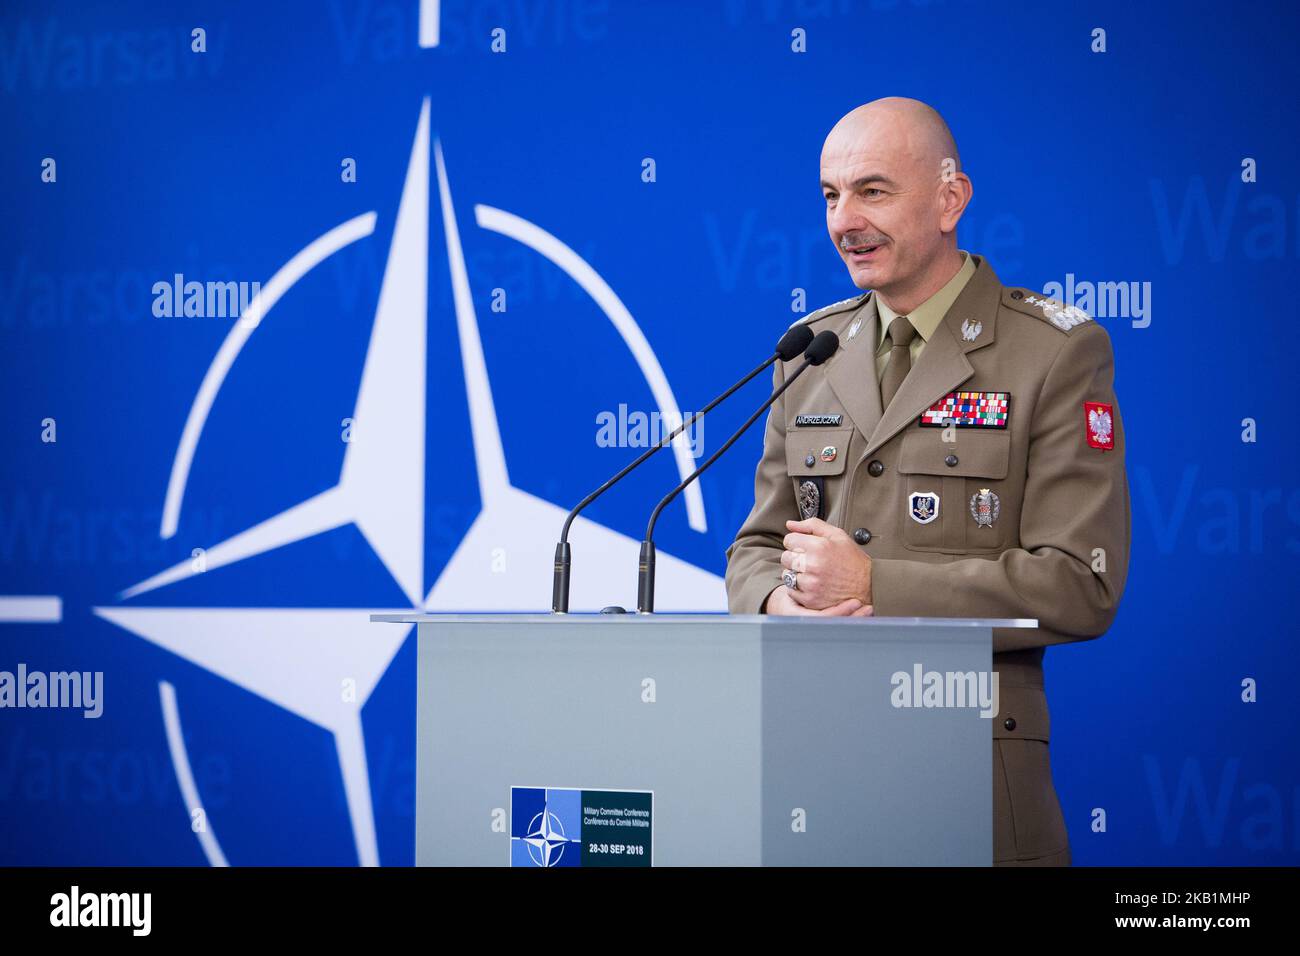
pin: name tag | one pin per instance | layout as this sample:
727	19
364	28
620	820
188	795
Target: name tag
805	421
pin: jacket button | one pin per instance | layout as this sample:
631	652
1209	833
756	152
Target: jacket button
1017	294
861	535
1009	723
810	461
951	461
875	468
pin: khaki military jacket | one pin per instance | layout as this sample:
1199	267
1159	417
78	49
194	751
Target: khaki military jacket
1023	512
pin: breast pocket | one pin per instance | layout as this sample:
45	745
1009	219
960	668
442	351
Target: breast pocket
955	490
815	460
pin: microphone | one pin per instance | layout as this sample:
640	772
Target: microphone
823	347
792	344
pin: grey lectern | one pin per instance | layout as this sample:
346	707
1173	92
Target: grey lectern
701	739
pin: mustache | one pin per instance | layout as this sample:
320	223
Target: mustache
854	240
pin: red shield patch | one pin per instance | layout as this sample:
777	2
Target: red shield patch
1099	423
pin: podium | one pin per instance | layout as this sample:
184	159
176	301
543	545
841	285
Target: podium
702	740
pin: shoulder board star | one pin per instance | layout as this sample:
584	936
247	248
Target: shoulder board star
1061	316
832	309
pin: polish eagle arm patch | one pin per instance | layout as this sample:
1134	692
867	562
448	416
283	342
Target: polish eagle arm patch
1099	421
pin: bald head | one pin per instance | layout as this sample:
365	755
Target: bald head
905	127
894	191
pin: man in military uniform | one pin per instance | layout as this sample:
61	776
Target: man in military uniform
961	455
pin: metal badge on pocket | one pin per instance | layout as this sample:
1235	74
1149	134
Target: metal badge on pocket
811	498
985	506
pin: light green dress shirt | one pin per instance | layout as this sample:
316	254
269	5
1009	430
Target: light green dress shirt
925	318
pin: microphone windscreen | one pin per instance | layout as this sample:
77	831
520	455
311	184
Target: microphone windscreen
825	345
794	342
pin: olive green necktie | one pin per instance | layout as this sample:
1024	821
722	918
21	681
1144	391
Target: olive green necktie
901	332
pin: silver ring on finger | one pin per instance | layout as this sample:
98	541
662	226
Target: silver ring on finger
790	579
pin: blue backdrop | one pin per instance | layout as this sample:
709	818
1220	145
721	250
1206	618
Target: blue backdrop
1167	161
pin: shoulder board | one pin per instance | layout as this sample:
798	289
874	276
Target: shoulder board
1053	311
844	305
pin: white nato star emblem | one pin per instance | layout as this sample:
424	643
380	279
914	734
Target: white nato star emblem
298	658
546	840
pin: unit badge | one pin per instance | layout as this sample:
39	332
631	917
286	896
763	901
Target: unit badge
985	508
1100	421
923	506
810	498
969	410
829	453
970	331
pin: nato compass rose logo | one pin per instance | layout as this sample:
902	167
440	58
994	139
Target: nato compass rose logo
545	840
297	658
